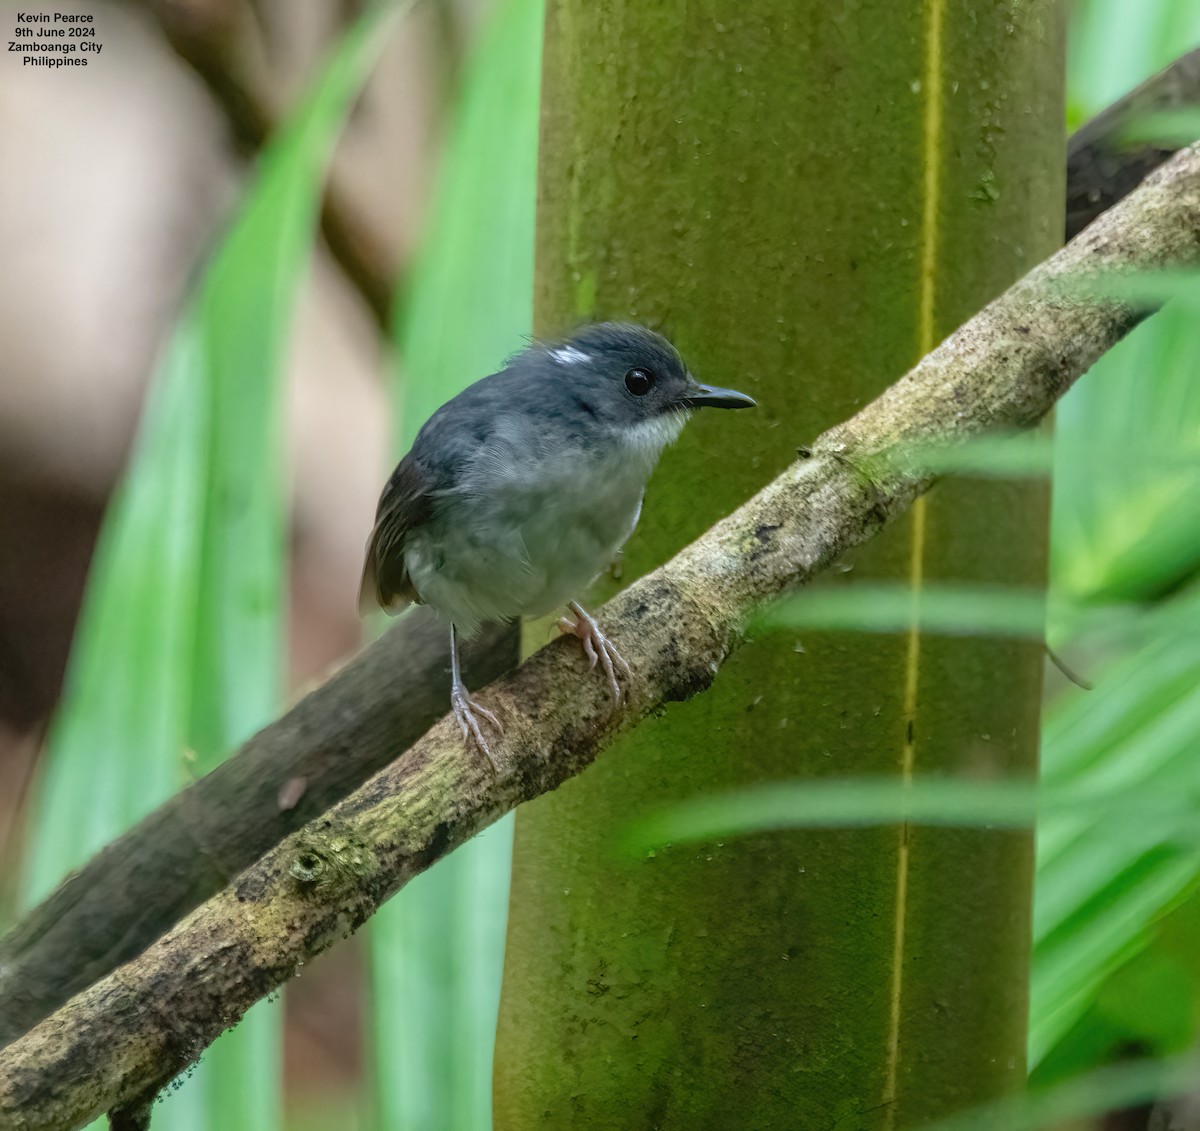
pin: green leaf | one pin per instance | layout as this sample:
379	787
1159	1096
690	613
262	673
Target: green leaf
1114	45
1126	528
1102	885
1017	455
856	802
1168	128
944	609
178	655
1148	288
840	803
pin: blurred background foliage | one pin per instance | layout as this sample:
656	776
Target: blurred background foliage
276	395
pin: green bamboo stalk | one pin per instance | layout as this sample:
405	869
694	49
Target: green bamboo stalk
807	201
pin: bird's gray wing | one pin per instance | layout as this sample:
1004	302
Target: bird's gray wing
405	504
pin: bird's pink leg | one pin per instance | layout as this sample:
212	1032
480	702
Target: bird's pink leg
596	646
465	708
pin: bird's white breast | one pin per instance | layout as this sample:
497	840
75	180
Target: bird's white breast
533	521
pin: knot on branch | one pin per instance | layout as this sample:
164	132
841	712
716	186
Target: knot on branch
331	857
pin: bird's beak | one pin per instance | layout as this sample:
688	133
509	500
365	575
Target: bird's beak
709	396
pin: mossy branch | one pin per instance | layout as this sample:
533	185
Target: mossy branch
144	882
131	1032
141	884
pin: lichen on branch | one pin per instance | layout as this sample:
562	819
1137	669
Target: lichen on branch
135	1029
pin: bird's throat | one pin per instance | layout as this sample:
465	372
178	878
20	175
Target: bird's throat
649	437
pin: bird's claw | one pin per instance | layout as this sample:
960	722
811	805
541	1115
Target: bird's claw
465	711
597	648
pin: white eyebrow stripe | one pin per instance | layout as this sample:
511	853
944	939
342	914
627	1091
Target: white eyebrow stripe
569	355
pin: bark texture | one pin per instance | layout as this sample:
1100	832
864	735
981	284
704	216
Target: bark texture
128	1034
144	882
132	892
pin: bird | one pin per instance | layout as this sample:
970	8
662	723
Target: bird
520	490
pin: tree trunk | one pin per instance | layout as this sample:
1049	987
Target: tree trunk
806	198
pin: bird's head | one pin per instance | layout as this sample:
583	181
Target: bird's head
632	379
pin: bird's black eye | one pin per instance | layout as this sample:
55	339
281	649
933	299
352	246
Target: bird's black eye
639	381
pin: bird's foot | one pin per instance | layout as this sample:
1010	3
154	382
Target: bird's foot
465	711
597	647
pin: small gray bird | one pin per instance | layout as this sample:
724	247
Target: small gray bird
521	489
